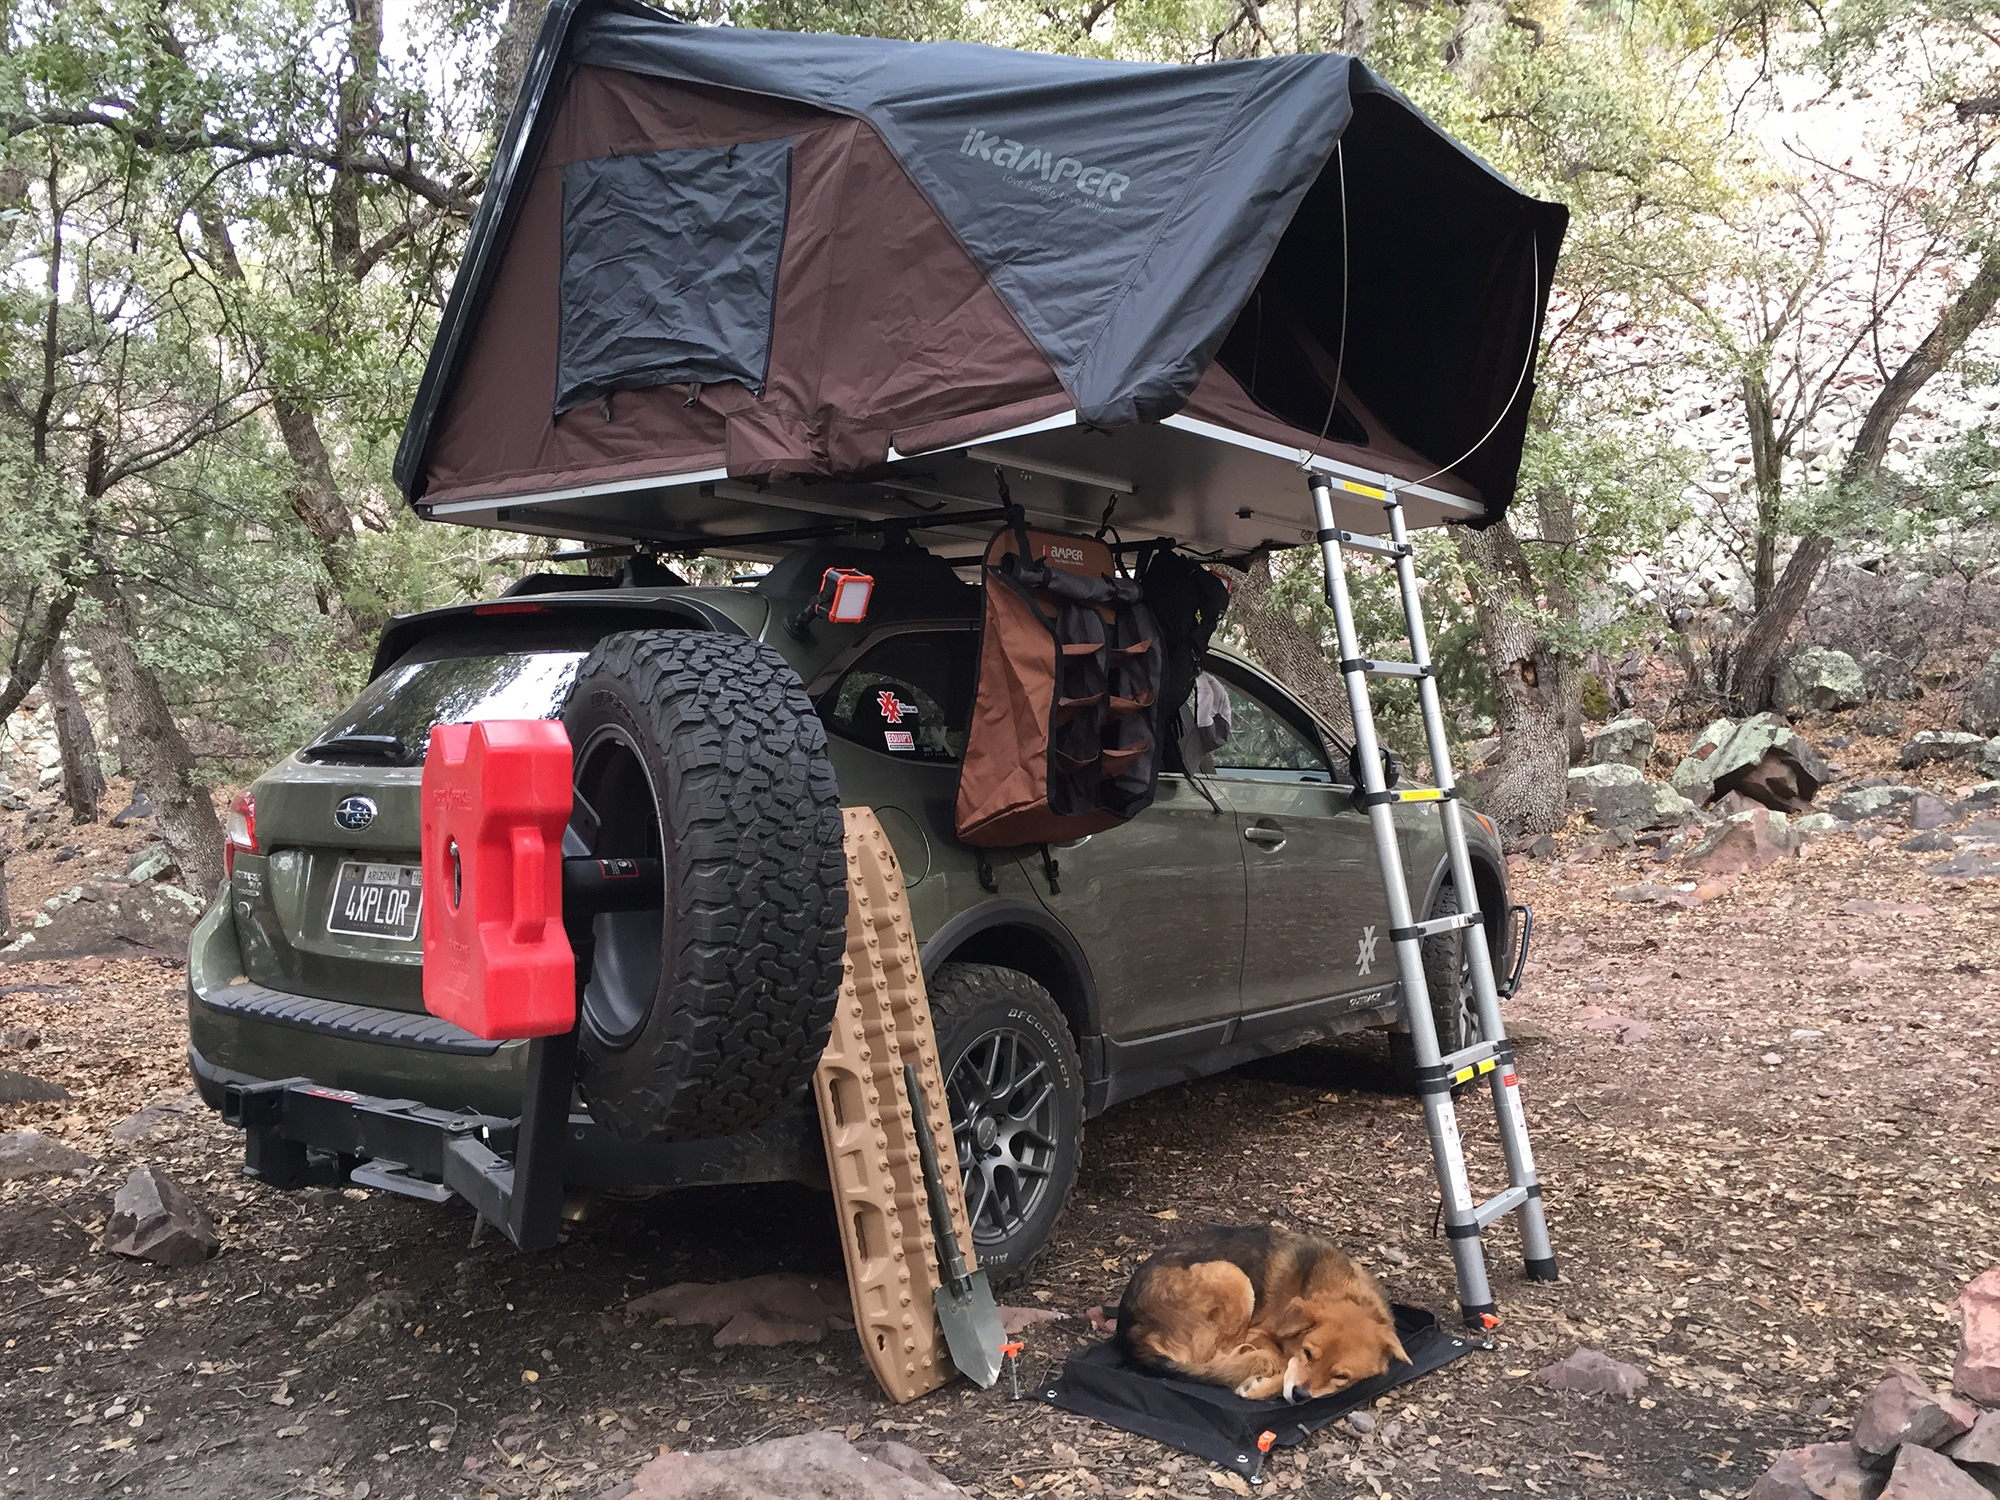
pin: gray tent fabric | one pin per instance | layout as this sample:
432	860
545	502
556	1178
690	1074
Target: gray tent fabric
670	268
1157	192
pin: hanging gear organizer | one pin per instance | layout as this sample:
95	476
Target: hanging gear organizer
1065	721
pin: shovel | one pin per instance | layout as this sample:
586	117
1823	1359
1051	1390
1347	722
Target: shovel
965	1309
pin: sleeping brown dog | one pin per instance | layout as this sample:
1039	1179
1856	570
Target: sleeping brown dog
1265	1312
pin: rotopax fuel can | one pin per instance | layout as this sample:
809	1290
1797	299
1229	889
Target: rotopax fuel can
496	800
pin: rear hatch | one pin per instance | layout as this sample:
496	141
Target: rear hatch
330	903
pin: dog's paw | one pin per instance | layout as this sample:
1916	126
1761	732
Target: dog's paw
1261	1387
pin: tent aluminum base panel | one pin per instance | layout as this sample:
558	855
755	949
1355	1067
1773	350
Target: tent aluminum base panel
1214	1423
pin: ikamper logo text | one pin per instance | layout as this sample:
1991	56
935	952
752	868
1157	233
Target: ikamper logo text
1034	161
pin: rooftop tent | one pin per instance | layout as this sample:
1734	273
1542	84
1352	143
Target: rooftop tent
727	282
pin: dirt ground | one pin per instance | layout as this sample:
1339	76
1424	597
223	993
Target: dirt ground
1769	1126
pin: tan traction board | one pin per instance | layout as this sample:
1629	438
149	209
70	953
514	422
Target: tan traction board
883	1020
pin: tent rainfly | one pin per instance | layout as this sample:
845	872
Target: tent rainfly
726	281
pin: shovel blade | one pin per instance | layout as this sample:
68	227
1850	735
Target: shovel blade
972	1331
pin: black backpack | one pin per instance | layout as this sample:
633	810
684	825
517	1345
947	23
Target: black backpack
1188	601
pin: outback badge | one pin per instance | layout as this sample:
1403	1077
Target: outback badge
355	813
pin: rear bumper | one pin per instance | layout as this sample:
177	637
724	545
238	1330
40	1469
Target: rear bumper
239	1031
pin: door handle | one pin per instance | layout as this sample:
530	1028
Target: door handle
1270	838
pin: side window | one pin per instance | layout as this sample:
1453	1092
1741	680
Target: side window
910	695
1262	743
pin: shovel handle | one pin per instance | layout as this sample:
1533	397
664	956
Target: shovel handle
950	1261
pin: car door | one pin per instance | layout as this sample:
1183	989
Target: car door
1317	925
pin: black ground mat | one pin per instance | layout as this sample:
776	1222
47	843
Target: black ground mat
1217	1424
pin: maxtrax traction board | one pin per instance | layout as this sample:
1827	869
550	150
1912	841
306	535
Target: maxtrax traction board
883	1021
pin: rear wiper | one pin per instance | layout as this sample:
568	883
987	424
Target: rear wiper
387	748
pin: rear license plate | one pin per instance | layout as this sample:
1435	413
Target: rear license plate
378	901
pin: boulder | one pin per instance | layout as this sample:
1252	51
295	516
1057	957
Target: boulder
152	1218
1594	1373
141	806
1983	797
1627	740
1928	812
27	1153
1763	758
1936	841
25	1088
1967	864
1981	1446
1742	841
1976	1373
151	863
1939	744
1816	679
1864	801
1902	1411
1923	1475
1584	780
1980	710
144	1124
1643	804
1824	1471
108	918
1989	757
810	1466
1814	824
1886	675
374	1320
1882	726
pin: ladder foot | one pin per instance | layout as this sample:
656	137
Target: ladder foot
1543	1269
1480	1317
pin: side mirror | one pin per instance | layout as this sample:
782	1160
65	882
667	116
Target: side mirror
1392	767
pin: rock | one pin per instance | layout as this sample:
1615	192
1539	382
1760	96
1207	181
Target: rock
1361	1421
1658	895
1886	675
375	1319
25	1088
1882	726
1901	1411
1824	1471
139	807
153	1219
1635	805
1014	1319
26	1153
1594	1373
1927	812
1981	1445
1980	710
150	863
111	919
19	1039
1814	678
1482	751
1933	841
1583	780
1814	824
1543	848
1763	758
1627	740
1976	1373
1967	864
1984	796
783	1308
906	1460
1743	841
1923	1475
1872	801
810	1466
1939	744
148	1122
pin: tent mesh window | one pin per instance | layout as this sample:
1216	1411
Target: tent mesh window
670	268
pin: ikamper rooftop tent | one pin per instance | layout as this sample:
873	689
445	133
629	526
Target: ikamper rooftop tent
728	282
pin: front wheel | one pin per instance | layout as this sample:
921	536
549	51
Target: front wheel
1015	1088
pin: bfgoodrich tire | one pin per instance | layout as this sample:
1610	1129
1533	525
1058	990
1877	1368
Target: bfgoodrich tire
1016	1092
707	1016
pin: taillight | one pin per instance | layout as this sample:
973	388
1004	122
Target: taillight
242	834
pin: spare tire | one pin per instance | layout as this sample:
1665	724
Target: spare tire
707	1015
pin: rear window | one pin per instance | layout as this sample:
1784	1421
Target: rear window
454	681
909	695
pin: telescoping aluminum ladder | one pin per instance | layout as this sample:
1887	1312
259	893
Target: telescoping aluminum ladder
1490	1057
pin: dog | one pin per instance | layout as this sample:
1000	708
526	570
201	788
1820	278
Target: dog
1263	1311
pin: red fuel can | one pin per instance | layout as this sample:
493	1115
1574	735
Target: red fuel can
496	799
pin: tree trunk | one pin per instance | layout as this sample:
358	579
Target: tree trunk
1756	657
357	103
1536	688
1767	472
83	777
1286	649
41	628
1470	46
511	51
152	747
1357	19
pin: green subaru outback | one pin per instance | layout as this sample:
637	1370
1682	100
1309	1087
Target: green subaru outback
718	730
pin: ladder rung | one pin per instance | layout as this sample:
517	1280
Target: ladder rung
1435	926
1467	1060
1361	543
1500	1204
1376	668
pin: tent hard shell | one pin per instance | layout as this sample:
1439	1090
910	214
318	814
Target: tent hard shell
729	286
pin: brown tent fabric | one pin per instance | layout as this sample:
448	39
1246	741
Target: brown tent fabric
934	346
